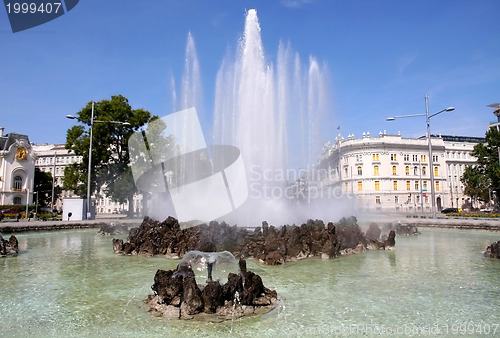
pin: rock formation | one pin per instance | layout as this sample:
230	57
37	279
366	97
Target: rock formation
8	247
178	295
267	243
493	251
113	229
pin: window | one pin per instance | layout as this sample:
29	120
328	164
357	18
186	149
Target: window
346	171
435	158
406	157
424	185
396	199
426	199
360	186
394	172
437	185
375	170
418	198
409	198
415	158
18	183
377	199
393	157
436	171
375	157
359	158
17	200
416	185
395	184
377	185
424	171
422	158
407	170
408	185
345	186
360	171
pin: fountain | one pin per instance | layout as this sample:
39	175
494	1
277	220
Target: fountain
195	289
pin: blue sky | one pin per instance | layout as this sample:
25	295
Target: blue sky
383	57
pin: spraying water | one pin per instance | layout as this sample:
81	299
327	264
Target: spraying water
270	111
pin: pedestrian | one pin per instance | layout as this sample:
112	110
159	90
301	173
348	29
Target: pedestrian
18	217
30	216
1	216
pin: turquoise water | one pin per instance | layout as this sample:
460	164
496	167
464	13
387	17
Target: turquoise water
66	284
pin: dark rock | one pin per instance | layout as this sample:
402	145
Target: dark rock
493	251
252	288
213	296
234	284
113	229
117	245
8	247
192	301
373	232
167	285
242	264
391	239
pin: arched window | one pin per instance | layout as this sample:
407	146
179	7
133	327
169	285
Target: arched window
18	183
394	170
17	200
424	171
360	186
407	170
436	171
360	171
375	170
415	170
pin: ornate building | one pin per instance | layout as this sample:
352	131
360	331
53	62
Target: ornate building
17	169
392	173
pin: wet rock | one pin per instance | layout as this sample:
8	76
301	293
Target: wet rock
113	229
117	245
213	296
8	247
493	251
192	301
267	243
373	232
391	239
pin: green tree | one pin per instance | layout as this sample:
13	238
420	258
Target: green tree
110	156
485	176
43	189
476	183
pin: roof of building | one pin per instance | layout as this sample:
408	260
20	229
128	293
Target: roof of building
9	139
453	138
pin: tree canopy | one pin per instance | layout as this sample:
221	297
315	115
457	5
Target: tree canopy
110	156
43	188
485	175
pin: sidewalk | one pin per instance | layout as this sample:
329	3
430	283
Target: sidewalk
23	224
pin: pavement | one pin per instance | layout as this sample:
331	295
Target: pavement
465	223
12	226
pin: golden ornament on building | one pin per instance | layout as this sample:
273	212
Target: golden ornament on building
21	154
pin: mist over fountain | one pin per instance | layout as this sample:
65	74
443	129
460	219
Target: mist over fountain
270	111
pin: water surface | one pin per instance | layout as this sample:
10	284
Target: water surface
66	284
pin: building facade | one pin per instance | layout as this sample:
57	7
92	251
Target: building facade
54	158
392	173
17	169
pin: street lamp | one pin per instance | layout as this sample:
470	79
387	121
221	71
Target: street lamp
90	149
431	163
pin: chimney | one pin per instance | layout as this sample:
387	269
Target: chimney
1	131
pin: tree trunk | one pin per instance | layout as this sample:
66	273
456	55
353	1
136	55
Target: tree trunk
130	212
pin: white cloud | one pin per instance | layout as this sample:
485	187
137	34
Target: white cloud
295	3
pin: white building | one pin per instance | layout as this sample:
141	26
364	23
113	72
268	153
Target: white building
392	173
17	169
53	158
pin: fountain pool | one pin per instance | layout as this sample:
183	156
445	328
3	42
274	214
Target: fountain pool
70	283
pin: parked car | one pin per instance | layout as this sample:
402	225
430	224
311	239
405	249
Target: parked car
449	210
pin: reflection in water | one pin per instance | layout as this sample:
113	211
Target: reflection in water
64	283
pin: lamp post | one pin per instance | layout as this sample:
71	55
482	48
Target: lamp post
431	163
90	150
